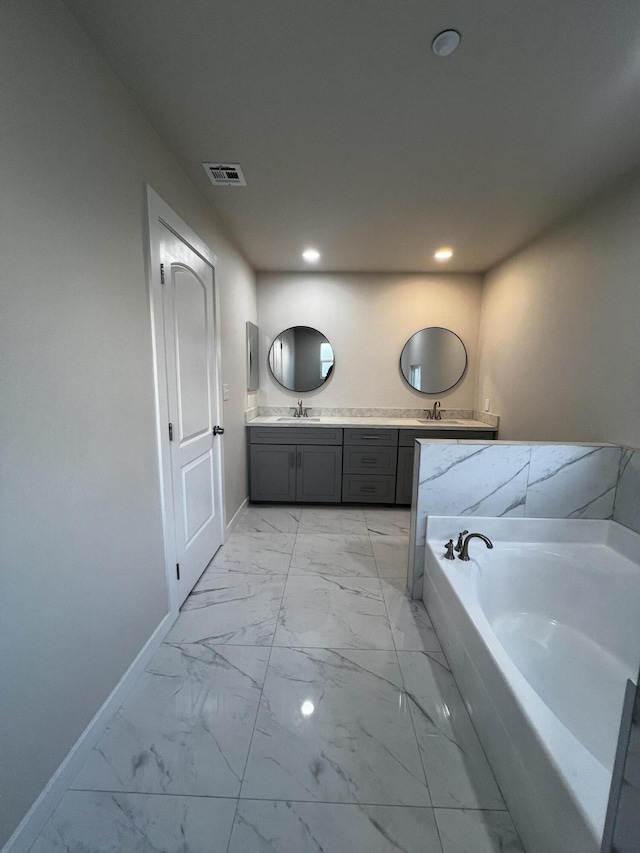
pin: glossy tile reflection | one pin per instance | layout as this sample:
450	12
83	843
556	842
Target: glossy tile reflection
302	684
230	608
186	726
334	726
466	831
251	552
333	554
457	770
323	611
410	623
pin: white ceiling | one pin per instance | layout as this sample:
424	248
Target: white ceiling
356	139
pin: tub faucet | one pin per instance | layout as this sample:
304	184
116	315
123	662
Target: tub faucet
448	554
464	554
461	536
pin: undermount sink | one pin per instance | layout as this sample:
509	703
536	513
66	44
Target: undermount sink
298	420
442	422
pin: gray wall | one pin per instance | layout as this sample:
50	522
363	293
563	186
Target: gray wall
82	577
559	353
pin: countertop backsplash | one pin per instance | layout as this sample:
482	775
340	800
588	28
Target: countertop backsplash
327	412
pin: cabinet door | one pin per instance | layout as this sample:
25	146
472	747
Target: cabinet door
273	472
319	474
404	483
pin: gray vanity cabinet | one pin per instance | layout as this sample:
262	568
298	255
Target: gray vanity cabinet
369	465
307	464
273	472
303	472
404	481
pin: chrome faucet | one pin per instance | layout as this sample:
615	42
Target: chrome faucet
433	414
300	412
464	553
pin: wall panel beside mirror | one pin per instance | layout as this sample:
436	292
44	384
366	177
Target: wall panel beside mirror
301	359
433	360
253	369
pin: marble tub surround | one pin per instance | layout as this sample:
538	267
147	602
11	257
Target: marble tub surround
288	720
515	479
627	504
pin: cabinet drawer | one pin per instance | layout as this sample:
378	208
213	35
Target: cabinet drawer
371	436
369	460
294	435
372	488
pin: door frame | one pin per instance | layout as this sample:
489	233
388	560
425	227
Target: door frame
159	216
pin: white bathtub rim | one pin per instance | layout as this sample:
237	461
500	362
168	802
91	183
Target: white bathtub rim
538	530
532	814
586	780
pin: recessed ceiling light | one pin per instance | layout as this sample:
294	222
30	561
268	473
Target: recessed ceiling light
311	256
443	254
445	42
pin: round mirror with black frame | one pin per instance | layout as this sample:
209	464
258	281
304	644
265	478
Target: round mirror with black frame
433	360
301	359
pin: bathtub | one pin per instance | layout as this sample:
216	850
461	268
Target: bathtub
542	633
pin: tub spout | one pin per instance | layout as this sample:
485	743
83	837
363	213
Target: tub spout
464	553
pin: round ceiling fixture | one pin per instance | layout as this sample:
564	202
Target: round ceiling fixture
311	256
445	42
443	254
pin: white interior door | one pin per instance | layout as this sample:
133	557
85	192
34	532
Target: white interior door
186	349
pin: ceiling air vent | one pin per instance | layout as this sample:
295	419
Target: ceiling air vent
225	174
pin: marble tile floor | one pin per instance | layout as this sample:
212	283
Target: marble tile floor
300	703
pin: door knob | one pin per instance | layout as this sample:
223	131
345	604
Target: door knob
218	430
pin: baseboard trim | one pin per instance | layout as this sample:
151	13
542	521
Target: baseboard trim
35	819
236	518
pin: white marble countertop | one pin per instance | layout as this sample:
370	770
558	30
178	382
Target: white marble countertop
395	423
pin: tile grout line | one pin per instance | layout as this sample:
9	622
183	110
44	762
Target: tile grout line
413	725
266	673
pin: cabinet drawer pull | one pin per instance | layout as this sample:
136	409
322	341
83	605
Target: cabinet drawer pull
372	437
368	489
369	461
